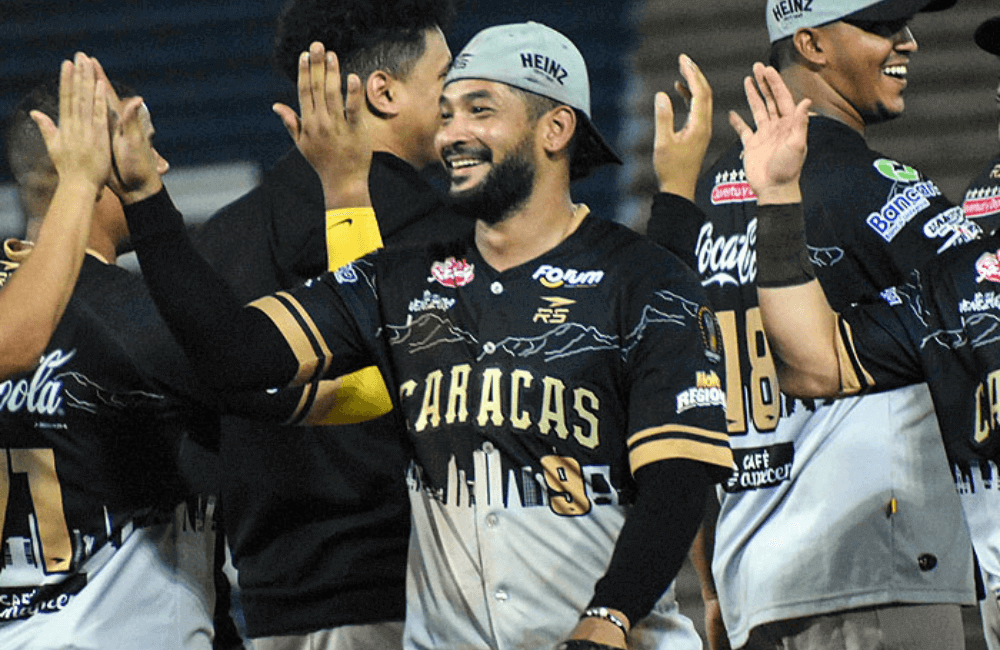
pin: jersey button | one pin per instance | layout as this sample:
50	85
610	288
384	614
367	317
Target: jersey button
926	561
489	347
496	288
501	595
492	520
487	447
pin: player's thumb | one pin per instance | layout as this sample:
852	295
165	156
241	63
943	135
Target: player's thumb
45	125
289	118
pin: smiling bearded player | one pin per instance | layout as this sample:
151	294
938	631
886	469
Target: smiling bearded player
559	375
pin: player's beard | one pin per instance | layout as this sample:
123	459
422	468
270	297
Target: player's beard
505	188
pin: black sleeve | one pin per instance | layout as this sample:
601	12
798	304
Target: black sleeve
655	539
674	223
228	345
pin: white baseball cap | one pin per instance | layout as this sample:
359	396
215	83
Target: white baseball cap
540	60
785	17
988	35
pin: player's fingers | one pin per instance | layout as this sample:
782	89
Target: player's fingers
334	98
756	102
663	110
683	91
742	129
355	100
317	78
289	119
99	116
765	89
86	90
65	88
782	96
700	115
45	125
305	96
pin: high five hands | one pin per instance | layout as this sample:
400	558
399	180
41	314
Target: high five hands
678	155
330	132
79	145
774	153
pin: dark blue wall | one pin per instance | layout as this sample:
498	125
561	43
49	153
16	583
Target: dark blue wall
204	69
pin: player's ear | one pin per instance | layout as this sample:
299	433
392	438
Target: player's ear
381	93
810	44
557	128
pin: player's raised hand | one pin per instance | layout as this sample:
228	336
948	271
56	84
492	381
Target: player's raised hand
136	166
677	155
79	146
774	153
330	132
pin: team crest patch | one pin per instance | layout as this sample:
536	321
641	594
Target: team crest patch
710	335
988	268
346	274
452	273
707	391
732	187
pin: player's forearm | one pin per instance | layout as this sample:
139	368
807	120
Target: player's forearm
798	320
33	301
655	539
231	347
675	223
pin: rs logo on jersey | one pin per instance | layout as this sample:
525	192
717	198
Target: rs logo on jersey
555	313
988	267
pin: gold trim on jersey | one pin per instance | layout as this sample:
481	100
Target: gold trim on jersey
707	451
296	337
853	376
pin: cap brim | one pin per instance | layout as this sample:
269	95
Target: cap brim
889	10
593	145
987	35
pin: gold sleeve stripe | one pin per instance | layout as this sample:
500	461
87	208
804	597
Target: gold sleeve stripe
305	402
350	234
853	376
655	450
309	329
695	432
295	336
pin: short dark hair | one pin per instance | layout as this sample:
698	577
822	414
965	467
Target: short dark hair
366	35
585	153
783	53
25	147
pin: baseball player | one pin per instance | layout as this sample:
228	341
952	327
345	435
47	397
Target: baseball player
97	554
318	521
555	371
32	304
853	495
982	198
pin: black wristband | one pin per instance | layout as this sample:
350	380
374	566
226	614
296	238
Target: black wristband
583	644
782	256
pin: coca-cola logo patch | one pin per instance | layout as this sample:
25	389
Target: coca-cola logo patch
988	267
452	273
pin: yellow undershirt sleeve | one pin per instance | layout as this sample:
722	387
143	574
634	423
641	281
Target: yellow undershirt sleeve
362	395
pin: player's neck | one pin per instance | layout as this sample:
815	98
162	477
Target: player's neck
826	101
541	224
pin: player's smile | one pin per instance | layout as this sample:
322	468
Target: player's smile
462	161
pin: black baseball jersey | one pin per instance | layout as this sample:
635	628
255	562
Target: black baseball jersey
982	198
530	397
869	220
88	473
